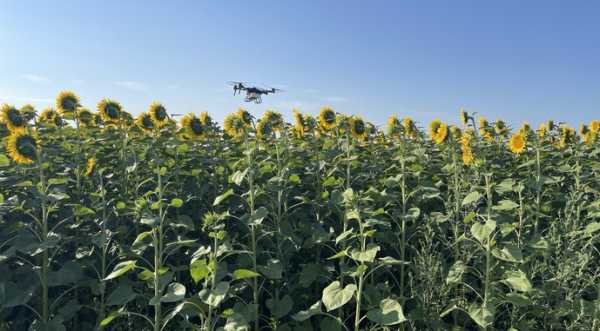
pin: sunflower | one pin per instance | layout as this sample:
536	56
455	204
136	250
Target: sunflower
263	129
410	129
86	118
233	125
542	130
159	114
22	146
327	119
484	129
500	128
110	110
517	143
358	128
12	118
50	117
465	146
90	166
455	132
525	129
127	119
595	126
28	112
464	116
245	117
144	121
438	131
567	136
298	123
194	126
275	120
67	102
393	125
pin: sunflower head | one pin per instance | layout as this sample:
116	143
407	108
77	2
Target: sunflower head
525	129
358	128
97	119
144	121
263	129
500	127
22	146
517	143
274	119
86	118
327	119
244	117
550	125
595	126
410	129
464	116
567	136
393	125
484	129
159	114
194	127
438	131
110	110
234	125
542	130
67	102
298	123
50	117
12	118
28	112
127	119
90	166
467	154
455	132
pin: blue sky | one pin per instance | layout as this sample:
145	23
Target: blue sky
519	60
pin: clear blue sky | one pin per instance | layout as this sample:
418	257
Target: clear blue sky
521	60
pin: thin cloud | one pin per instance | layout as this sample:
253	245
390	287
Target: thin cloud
28	99
131	85
35	78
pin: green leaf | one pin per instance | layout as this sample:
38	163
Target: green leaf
120	269
4	161
334	296
483	231
365	256
239	176
303	315
176	203
82	211
456	272
199	270
175	293
483	316
339	254
309	274
518	299
509	253
517	280
389	313
214	297
273	269
506	205
280	308
244	273
592	228
106	321
471	198
121	295
222	197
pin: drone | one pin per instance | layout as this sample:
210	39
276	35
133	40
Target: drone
253	93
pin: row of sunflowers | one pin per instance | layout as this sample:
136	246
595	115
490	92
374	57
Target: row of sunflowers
115	222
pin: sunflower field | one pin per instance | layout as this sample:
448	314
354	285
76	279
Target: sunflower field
327	223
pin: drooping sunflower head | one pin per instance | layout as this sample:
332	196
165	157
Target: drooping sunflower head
264	129
244	117
28	112
542	130
67	102
159	114
97	119
456	132
86	118
500	127
484	129
298	123
22	146
327	119
194	127
517	143
464	116
595	126
127	119
50	117
393	126
274	119
525	129
567	136
144	121
110	110
12	118
438	131
358	128
234	126
90	166
410	129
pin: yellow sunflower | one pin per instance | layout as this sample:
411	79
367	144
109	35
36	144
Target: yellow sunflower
274	119
464	116
159	114
127	119
438	131
67	102
517	143
455	132
12	118
263	129
484	129
500	128
358	128
194	126
86	118
410	129
28	112
234	126
50	117
465	146
393	125
22	146
298	124
90	166
244	116
525	129
144	121
595	126
110	110
542	130
327	119
567	136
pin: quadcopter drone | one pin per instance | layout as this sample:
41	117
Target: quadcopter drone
253	93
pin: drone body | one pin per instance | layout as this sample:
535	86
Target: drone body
253	93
